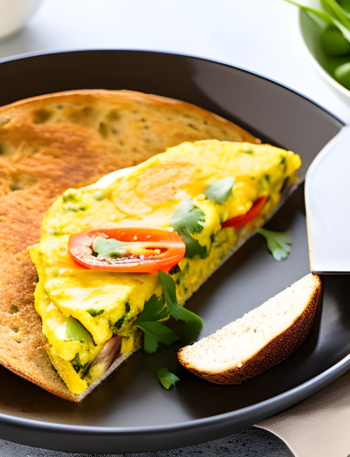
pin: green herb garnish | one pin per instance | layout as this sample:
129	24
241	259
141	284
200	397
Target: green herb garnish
154	310
188	215
109	248
76	331
15	186
194	322
220	191
166	378
189	220
95	313
119	323
154	332
78	366
278	243
14	309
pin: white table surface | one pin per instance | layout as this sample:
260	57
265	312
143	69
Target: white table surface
259	35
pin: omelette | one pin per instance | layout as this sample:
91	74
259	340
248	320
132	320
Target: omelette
98	257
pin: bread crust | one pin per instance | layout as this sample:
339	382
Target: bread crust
274	352
71	139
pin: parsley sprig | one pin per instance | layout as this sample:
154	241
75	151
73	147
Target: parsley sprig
220	191
278	243
153	331
167	378
189	220
155	311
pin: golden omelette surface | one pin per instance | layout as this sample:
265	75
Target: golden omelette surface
106	303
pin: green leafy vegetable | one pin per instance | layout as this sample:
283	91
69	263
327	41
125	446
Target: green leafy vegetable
194	322
75	331
154	332
333	42
95	313
220	191
329	11
188	219
117	325
166	378
188	215
154	310
78	366
278	243
108	248
342	74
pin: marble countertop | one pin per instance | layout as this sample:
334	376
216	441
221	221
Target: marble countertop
261	36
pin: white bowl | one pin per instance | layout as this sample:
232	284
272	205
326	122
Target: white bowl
310	30
14	14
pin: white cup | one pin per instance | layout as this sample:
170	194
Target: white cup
14	14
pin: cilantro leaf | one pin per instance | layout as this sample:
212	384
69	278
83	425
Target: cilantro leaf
195	323
188	215
193	247
220	191
108	248
167	378
278	243
186	220
154	310
155	333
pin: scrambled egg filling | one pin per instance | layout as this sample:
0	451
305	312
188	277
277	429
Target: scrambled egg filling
82	309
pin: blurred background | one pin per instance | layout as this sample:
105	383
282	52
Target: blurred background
259	35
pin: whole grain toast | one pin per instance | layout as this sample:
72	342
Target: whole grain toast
58	141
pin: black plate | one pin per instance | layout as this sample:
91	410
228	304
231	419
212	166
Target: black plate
131	412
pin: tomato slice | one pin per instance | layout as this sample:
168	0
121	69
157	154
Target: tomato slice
254	212
143	249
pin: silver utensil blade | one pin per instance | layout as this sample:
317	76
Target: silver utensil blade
327	199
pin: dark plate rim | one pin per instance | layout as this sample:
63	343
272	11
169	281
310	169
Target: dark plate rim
273	404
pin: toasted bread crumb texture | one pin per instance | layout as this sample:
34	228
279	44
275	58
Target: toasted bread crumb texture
64	140
259	340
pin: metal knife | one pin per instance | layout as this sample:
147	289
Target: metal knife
319	426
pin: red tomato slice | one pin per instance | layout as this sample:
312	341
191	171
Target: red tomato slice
147	250
254	212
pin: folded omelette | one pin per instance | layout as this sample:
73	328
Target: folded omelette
53	142
209	194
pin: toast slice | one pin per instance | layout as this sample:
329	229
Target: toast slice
259	340
71	139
